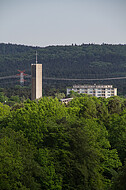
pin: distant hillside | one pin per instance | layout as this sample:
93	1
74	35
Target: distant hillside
83	61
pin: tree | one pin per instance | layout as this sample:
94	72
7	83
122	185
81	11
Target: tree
86	105
114	105
119	182
3	98
18	169
68	146
4	111
59	95
15	99
116	126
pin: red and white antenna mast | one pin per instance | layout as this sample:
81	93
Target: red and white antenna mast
22	74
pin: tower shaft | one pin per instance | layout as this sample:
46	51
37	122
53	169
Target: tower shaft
36	71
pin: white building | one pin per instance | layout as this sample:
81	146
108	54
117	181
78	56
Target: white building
105	91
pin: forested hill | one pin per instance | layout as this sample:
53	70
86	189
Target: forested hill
75	61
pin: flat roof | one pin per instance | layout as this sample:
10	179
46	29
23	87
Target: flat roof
92	86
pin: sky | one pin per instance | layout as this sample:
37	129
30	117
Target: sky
62	22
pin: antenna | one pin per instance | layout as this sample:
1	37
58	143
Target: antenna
36	57
22	74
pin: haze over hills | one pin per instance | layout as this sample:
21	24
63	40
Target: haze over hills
86	61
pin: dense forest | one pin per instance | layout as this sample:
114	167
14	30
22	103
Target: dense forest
51	146
85	61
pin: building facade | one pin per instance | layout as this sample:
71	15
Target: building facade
36	72
104	91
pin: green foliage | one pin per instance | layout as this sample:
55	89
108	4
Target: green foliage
73	94
89	107
114	105
120	181
3	98
117	133
18	169
33	116
4	111
49	179
59	95
47	145
17	94
15	99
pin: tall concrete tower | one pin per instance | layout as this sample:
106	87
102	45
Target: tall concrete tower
36	72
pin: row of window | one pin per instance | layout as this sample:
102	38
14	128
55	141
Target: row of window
98	90
95	91
101	95
92	89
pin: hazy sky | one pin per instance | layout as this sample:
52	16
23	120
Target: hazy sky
56	22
